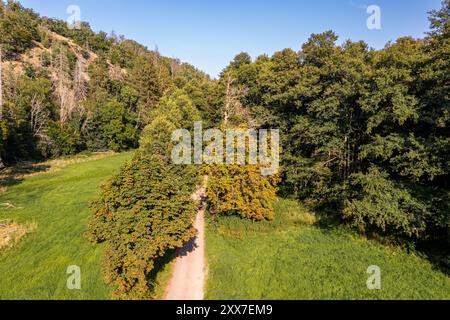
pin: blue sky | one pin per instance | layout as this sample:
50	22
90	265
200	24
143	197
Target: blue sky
209	33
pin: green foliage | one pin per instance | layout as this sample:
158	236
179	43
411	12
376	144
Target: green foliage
363	132
206	97
385	206
64	141
46	59
183	113
342	110
18	27
238	62
110	125
145	80
124	52
4	132
99	74
157	137
117	132
143	213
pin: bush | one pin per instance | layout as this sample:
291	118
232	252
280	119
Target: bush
46	59
383	206
241	190
63	141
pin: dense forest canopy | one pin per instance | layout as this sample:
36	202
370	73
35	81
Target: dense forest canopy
364	132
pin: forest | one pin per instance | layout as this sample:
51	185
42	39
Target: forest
364	133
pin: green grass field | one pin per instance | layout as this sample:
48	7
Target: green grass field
57	202
291	259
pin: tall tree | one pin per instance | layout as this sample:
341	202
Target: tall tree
63	90
145	79
1	99
1	83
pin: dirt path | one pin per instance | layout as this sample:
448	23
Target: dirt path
189	272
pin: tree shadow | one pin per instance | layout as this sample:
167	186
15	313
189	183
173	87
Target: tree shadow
326	217
189	247
438	254
169	257
160	265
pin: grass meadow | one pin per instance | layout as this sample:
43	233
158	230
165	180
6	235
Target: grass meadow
291	258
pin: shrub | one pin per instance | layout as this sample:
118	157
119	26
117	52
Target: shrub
63	141
241	190
384	206
46	59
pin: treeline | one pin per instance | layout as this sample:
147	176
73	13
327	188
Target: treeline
69	90
365	133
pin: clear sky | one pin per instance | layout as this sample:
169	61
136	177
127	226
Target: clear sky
209	33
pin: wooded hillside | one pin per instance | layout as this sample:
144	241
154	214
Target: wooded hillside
69	90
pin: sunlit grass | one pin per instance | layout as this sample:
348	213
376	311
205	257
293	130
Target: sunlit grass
57	202
292	259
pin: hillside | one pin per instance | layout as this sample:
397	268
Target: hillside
36	57
68	90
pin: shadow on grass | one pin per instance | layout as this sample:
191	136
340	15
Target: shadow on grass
436	252
14	175
160	265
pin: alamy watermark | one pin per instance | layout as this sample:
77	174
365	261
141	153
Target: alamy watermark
374	281
74	19
231	147
74	279
374	20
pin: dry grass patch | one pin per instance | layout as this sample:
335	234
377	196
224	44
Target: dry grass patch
11	232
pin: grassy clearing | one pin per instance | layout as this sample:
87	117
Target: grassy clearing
293	259
56	202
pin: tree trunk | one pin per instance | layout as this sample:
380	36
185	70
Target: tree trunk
1	100
1	85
